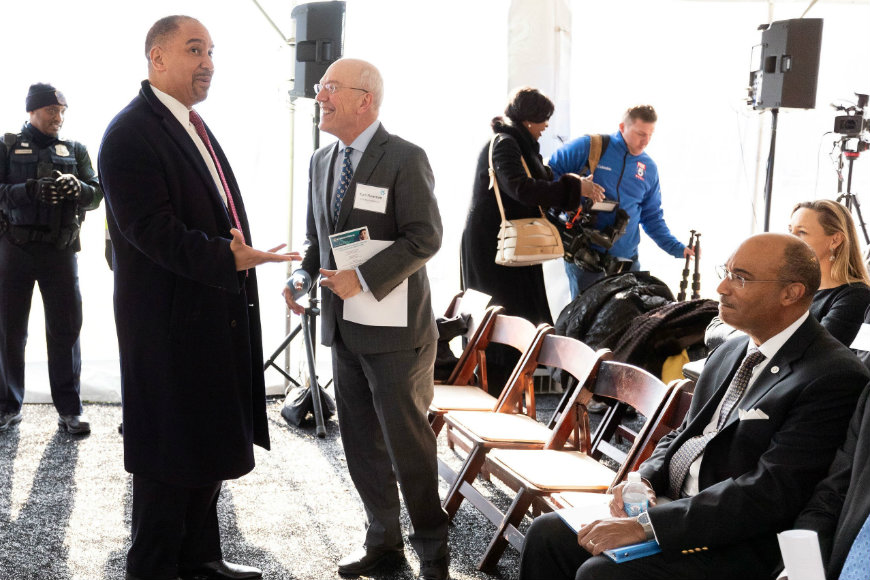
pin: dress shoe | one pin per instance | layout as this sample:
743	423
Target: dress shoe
7	420
366	560
74	424
435	569
221	570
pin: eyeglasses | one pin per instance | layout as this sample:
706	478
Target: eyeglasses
726	274
332	87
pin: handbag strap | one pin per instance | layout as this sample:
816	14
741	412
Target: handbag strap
493	182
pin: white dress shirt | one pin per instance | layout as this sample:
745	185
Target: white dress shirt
182	113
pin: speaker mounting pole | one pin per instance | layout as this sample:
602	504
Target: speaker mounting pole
768	180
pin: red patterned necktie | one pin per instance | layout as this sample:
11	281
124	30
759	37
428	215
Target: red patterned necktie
196	120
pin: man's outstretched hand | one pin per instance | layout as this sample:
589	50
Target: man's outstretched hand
247	257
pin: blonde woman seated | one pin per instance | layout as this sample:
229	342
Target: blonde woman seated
844	294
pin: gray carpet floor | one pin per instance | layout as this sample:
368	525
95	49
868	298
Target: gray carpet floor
65	505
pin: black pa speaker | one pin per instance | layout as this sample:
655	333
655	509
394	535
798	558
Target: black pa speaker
319	43
789	71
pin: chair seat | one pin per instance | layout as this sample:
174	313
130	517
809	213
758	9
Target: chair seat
499	427
461	397
550	470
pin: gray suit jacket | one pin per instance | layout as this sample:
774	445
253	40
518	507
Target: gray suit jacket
411	220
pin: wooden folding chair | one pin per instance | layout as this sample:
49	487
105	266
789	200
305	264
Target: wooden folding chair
505	428
459	394
474	307
669	419
534	474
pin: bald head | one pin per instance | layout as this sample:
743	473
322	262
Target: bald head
351	98
792	259
774	278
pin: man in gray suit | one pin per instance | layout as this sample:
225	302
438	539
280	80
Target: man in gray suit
383	374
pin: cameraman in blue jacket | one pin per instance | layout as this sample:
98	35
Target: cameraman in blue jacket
630	177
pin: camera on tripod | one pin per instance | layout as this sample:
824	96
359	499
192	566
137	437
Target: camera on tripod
853	124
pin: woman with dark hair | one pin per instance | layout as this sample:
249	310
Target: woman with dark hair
844	293
520	290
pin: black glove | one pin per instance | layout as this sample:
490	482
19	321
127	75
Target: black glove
44	190
68	185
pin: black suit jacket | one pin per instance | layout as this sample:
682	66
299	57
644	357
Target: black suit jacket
756	475
840	505
411	220
188	324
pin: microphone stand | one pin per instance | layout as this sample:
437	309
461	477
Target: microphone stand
308	326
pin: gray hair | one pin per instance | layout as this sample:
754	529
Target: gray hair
370	79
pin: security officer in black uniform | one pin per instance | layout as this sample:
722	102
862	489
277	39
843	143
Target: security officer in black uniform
46	186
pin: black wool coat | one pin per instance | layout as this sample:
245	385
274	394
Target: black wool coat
520	290
188	324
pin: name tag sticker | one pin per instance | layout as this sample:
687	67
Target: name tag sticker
371	198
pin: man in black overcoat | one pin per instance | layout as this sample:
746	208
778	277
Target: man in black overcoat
186	311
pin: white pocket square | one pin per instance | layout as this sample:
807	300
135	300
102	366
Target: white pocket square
751	414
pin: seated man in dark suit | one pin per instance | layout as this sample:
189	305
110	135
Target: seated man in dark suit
769	412
840	507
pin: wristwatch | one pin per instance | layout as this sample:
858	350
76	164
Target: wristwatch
643	520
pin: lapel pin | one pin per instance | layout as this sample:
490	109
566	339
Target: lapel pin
774	369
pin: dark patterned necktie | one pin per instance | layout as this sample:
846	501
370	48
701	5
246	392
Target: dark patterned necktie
197	123
343	182
689	451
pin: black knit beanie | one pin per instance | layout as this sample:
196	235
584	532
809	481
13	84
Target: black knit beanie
43	95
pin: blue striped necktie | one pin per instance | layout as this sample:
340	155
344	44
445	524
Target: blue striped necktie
343	182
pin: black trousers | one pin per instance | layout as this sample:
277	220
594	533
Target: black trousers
56	272
172	528
551	552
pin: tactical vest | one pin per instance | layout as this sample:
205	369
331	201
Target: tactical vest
38	222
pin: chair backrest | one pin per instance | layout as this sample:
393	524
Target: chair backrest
626	385
582	362
671	417
472	305
518	395
469	303
479	328
498	328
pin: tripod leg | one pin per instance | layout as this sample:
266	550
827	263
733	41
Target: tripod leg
861	219
281	347
313	385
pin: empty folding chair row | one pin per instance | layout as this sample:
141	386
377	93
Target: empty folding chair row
535	461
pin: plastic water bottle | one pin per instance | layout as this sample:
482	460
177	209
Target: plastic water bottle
634	498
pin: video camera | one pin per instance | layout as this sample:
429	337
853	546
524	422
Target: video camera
579	235
853	124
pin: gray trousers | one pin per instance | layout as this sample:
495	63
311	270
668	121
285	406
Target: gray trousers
382	401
